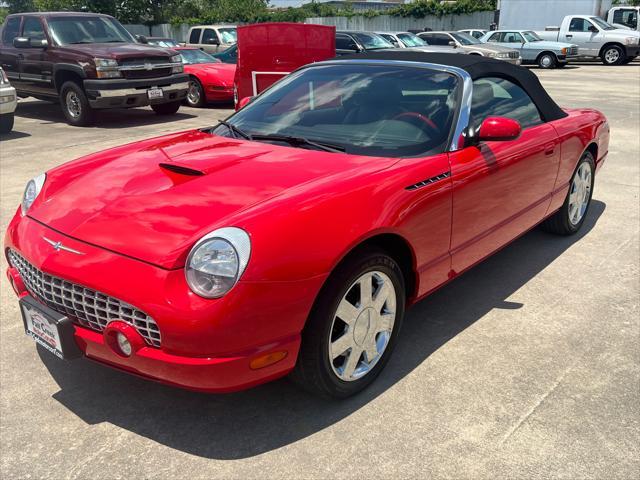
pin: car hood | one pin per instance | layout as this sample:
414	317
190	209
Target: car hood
152	200
119	50
222	72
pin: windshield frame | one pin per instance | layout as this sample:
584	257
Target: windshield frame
530	33
601	24
462	113
126	35
360	36
413	37
459	36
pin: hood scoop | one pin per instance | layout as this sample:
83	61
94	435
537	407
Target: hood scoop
182	170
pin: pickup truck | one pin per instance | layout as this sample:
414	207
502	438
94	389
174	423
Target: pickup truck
88	61
212	38
596	39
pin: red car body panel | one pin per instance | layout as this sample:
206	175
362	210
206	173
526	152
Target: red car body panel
216	78
269	51
135	220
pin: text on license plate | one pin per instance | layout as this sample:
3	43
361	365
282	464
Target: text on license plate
43	331
155	93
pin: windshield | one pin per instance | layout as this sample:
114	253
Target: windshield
228	35
372	42
194	56
75	30
374	110
163	42
411	40
602	24
531	36
464	38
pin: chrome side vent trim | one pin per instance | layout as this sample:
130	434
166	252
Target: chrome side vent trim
428	181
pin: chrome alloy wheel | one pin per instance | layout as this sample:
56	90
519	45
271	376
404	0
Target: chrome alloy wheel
74	107
612	55
580	193
362	326
546	61
193	94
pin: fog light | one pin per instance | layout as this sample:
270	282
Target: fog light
123	344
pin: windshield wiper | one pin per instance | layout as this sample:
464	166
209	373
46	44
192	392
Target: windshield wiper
235	131
297	141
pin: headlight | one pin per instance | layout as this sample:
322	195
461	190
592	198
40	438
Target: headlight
217	262
631	40
177	68
491	54
502	55
107	68
31	192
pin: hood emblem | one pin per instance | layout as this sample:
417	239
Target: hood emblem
148	66
57	246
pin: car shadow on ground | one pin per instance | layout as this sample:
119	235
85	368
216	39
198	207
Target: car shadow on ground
268	417
117	118
13	135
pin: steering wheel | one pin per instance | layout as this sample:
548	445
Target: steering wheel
427	121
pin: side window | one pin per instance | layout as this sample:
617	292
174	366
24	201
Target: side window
344	42
626	17
498	97
10	30
579	25
209	37
496	37
438	39
32	29
512	37
195	35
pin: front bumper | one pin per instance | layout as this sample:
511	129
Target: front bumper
215	93
632	50
8	100
122	93
207	345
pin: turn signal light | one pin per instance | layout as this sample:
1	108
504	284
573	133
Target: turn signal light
266	360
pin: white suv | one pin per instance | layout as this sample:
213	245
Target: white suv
8	102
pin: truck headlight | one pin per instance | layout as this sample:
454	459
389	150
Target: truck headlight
31	192
177	68
107	68
631	40
217	261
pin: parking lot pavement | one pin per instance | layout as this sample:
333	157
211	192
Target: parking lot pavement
527	366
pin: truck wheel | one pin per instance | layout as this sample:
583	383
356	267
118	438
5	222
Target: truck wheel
166	108
613	55
6	123
75	105
547	60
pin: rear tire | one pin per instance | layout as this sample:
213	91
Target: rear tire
366	331
166	108
571	215
75	105
613	55
6	122
547	60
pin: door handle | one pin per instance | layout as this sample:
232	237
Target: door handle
549	149
569	36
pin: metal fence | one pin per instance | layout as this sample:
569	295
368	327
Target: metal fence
381	23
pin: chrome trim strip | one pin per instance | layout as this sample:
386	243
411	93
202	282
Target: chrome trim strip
464	111
123	92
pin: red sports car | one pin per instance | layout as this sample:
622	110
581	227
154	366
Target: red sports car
290	238
211	80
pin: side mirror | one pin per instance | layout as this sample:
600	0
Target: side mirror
243	102
453	44
24	42
497	129
142	39
593	29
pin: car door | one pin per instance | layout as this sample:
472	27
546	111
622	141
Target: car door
516	41
345	44
36	64
584	34
210	41
9	55
501	188
194	37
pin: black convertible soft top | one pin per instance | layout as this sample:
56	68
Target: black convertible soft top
477	67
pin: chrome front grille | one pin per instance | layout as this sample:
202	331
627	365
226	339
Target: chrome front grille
82	305
573	50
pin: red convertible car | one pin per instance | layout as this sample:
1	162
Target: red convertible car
290	238
210	79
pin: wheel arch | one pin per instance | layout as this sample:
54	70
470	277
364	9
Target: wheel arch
610	44
592	148
545	52
64	74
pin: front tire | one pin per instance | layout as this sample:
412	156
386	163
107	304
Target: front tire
353	327
75	105
166	108
6	122
547	60
613	55
571	215
195	95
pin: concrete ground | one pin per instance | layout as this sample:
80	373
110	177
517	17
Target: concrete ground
528	366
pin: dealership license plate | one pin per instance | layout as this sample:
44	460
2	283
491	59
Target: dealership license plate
48	328
155	93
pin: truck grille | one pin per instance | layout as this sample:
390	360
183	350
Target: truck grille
136	68
573	51
137	74
82	305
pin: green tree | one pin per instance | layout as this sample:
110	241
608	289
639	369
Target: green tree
19	6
